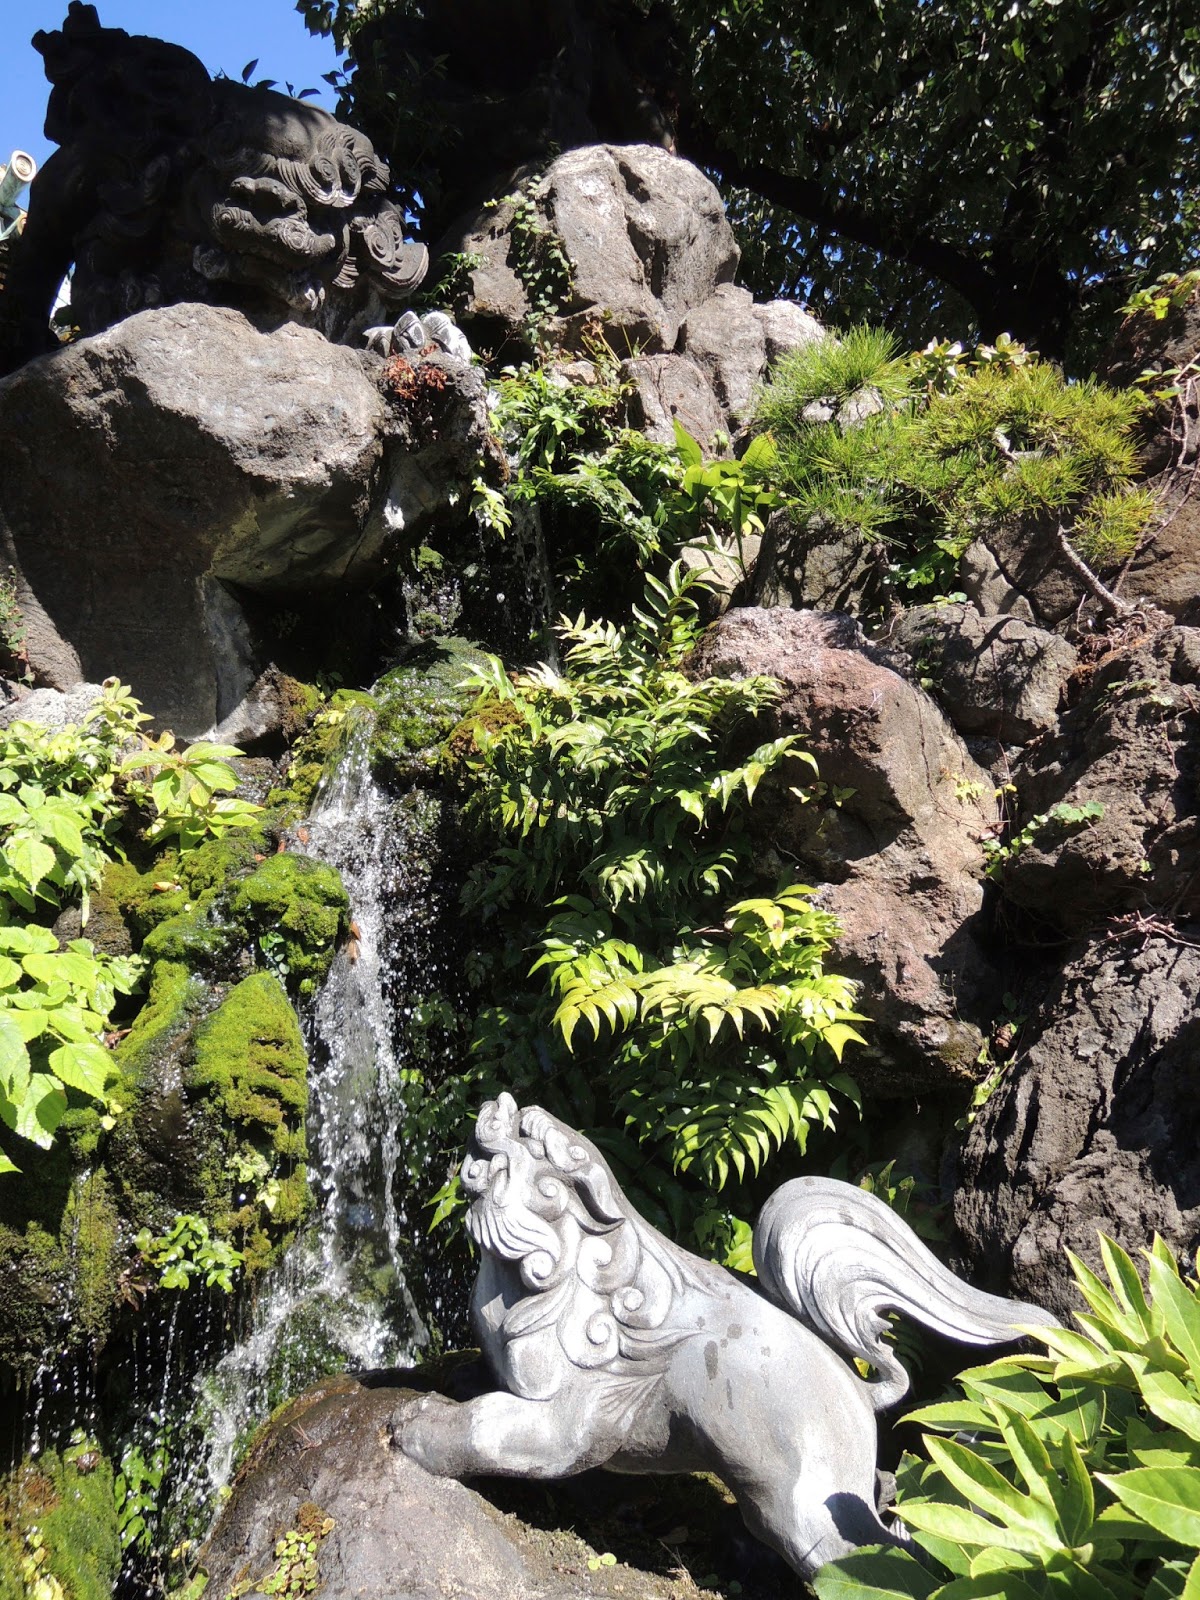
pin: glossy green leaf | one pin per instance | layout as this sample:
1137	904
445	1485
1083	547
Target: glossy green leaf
1167	1498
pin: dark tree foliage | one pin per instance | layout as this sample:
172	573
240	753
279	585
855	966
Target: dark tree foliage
944	165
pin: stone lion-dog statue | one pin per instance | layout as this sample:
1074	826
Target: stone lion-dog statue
617	1349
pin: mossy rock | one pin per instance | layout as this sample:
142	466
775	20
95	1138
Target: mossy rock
140	899
34	1290
248	1082
199	936
60	1523
151	1153
91	1231
301	907
489	716
314	752
418	706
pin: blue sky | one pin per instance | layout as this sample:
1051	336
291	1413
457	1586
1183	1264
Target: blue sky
225	34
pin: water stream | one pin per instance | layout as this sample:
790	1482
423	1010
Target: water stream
342	1298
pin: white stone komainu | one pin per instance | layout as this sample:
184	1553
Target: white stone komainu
615	1348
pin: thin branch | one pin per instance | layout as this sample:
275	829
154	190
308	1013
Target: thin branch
1104	596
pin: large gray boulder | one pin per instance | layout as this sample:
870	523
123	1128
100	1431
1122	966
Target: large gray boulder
633	243
1095	1127
895	836
645	236
394	1531
156	470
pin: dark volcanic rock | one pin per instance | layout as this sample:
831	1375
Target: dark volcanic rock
1132	746
895	835
998	676
669	389
1095	1127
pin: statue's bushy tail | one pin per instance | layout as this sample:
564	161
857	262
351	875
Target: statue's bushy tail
836	1257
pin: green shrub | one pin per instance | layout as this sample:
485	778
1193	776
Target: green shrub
1072	1473
922	454
639	976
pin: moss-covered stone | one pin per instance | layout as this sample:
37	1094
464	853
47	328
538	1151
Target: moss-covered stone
60	1525
249	1078
199	936
34	1283
418	705
489	715
91	1226
314	753
297	909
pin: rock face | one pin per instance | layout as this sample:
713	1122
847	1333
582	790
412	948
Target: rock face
651	259
1166	571
397	1531
895	835
1131	746
1000	677
1095	1127
159	468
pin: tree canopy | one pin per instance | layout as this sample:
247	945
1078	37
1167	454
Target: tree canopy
942	165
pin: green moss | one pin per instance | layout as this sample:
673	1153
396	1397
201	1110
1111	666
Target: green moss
90	1232
142	899
419	705
301	702
314	752
249	1078
34	1281
60	1521
171	1005
462	742
250	1055
297	910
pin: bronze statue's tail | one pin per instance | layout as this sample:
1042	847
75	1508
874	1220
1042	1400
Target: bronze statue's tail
836	1257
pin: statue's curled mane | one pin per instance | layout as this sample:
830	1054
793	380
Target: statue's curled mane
593	1271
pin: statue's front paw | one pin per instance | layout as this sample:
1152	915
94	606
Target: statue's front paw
419	1429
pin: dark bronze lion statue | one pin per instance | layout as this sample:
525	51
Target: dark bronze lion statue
171	186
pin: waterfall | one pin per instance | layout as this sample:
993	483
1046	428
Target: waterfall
341	1299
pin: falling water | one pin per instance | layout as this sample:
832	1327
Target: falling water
342	1297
